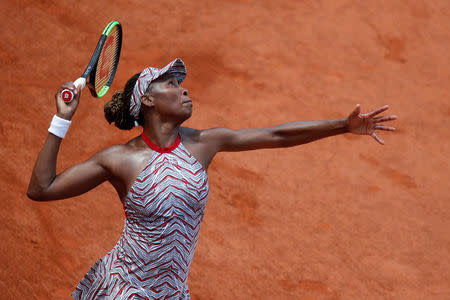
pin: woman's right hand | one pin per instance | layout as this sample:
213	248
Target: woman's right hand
67	110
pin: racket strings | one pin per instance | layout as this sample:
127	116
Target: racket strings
108	60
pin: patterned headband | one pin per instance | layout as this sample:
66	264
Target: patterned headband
175	68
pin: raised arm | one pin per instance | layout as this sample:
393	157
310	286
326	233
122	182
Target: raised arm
297	133
45	184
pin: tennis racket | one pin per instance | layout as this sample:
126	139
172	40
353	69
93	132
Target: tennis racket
103	64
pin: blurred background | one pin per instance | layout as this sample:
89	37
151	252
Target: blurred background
340	218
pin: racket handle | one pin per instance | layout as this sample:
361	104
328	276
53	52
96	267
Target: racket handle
67	95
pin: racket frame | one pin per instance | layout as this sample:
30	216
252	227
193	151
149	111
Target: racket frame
91	68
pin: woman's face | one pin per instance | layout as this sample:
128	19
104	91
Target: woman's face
170	99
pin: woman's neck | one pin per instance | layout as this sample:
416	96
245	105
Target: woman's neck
162	134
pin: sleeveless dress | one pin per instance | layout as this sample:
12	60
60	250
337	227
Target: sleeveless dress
163	212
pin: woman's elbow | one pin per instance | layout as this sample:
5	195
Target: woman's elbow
33	195
36	194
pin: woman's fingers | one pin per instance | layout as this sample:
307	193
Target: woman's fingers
384	127
356	111
377	138
69	86
377	111
64	109
368	120
384	118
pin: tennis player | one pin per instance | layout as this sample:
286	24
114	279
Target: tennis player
160	177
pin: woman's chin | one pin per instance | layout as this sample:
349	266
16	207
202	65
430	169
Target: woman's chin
186	115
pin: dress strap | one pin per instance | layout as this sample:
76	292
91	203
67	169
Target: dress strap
157	148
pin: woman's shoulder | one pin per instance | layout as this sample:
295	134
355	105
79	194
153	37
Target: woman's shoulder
191	135
204	136
132	147
188	133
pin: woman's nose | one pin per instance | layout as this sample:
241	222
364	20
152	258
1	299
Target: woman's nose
185	92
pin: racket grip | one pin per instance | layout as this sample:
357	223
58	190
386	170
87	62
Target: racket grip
67	95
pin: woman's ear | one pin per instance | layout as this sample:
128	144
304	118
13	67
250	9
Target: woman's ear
147	100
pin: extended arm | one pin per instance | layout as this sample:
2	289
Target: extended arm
297	133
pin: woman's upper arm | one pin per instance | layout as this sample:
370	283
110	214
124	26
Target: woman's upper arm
225	139
79	178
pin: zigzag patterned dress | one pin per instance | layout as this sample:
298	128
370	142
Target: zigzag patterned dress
163	209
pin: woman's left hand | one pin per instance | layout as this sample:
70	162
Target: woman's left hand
367	123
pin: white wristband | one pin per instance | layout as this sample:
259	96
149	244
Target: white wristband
59	126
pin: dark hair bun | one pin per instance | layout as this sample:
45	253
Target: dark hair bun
117	110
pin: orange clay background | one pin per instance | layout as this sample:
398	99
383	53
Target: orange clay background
340	218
